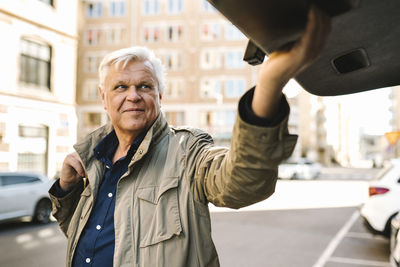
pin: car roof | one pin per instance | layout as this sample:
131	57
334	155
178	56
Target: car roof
362	50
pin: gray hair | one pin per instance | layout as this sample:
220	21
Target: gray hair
127	55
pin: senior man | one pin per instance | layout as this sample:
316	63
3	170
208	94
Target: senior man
135	192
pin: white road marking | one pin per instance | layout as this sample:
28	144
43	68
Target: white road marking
364	236
359	262
336	240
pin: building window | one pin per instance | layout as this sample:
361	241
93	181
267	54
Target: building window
210	88
150	7
172	60
91	63
207	7
35	62
210	31
210	59
225	118
230	117
91	119
94	10
175	117
175	88
90	90
220	120
234	60
150	34
174	33
115	35
117	9
232	33
33	148
174	6
206	118
234	88
93	36
49	2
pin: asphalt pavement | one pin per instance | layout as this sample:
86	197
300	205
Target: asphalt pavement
332	237
304	224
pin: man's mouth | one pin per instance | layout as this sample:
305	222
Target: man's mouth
134	110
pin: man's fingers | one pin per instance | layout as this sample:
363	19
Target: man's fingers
74	163
315	35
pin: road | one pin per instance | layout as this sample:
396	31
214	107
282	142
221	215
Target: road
24	244
332	237
304	224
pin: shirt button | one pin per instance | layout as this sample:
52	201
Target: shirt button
87	260
98	227
110	194
140	151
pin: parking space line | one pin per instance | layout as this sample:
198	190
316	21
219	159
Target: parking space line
359	262
364	236
336	240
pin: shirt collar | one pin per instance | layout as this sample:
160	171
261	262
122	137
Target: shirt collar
105	149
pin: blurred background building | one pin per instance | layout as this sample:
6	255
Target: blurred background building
49	92
38	80
202	53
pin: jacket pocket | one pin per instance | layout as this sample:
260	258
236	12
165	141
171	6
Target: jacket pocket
159	212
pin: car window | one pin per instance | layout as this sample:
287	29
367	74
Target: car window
383	172
15	179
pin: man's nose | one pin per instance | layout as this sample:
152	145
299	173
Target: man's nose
133	94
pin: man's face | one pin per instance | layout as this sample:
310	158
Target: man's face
131	97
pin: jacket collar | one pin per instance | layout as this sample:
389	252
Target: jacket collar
85	148
154	135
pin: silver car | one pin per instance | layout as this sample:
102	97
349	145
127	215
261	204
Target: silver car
24	194
301	168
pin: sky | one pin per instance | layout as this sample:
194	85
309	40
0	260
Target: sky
370	110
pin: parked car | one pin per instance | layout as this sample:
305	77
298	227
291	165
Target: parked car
24	194
395	241
302	168
384	200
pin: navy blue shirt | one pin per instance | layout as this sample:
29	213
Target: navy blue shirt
96	244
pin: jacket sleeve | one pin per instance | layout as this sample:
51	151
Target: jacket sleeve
244	174
63	206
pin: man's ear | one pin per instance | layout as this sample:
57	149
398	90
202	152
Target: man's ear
159	99
101	93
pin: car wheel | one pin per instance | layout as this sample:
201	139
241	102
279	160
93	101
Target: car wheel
388	228
42	211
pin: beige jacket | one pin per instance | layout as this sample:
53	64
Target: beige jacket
161	214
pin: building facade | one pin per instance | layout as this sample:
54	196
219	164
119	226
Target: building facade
201	51
37	93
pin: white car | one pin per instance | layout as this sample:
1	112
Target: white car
302	168
395	241
384	200
24	194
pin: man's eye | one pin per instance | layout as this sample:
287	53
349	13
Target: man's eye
121	86
145	86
